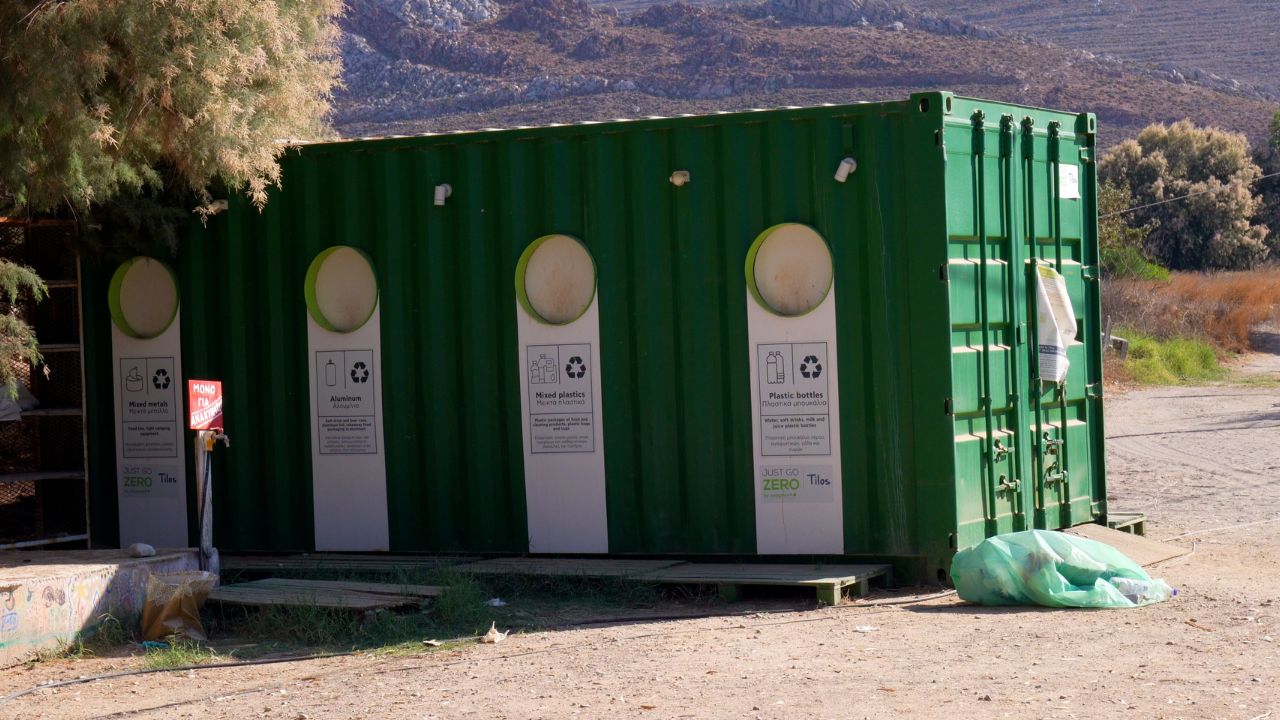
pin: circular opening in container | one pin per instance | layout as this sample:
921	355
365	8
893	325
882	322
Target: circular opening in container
789	269
341	289
143	297
556	279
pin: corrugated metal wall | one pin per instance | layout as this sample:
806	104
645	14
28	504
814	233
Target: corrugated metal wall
672	316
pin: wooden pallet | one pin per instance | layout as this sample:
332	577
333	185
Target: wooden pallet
1134	523
324	593
828	580
590	567
1142	550
340	562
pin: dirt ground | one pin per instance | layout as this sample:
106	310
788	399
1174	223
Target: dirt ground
1203	462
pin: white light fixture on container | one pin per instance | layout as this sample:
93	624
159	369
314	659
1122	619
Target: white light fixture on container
845	169
443	191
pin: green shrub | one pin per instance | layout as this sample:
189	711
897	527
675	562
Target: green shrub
1170	362
1130	263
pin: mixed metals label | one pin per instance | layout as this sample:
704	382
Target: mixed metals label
149	430
149	410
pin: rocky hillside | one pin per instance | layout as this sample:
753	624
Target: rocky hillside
1223	43
420	65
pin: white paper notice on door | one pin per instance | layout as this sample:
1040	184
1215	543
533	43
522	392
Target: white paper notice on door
1057	323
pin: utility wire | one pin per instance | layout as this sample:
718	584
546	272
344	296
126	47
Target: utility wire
1180	197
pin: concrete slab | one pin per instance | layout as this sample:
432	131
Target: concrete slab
48	596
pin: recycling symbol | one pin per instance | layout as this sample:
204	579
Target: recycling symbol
576	368
810	367
161	379
359	372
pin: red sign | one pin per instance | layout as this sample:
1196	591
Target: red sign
204	402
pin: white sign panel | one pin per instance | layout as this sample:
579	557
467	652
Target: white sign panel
795	417
346	408
1068	182
795	399
561	406
149	410
146	372
348	463
564	473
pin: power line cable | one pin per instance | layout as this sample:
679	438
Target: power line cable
1180	197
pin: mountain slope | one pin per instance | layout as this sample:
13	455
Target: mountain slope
542	61
1233	39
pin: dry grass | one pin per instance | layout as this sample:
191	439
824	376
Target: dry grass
1221	308
1115	375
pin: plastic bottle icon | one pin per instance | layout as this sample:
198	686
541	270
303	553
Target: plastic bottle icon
330	374
774	372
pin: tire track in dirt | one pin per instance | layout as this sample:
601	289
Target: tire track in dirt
1207	457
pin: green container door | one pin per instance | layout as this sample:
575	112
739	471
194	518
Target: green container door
1021	192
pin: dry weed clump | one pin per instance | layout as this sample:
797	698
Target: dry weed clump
1221	308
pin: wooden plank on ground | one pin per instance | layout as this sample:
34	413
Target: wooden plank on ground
424	591
339	562
766	574
302	593
572	567
1142	550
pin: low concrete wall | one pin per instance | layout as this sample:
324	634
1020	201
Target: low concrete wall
48	597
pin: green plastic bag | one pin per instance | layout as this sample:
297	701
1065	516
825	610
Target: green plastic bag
1042	567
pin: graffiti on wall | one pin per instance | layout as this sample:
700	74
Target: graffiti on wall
47	611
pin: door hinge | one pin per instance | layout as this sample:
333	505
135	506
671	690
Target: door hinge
1089	272
946	407
1093	391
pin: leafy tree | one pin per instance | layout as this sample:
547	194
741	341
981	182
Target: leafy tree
1119	243
17	341
1267	155
106	99
1202	179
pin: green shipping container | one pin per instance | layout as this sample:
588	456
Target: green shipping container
807	331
